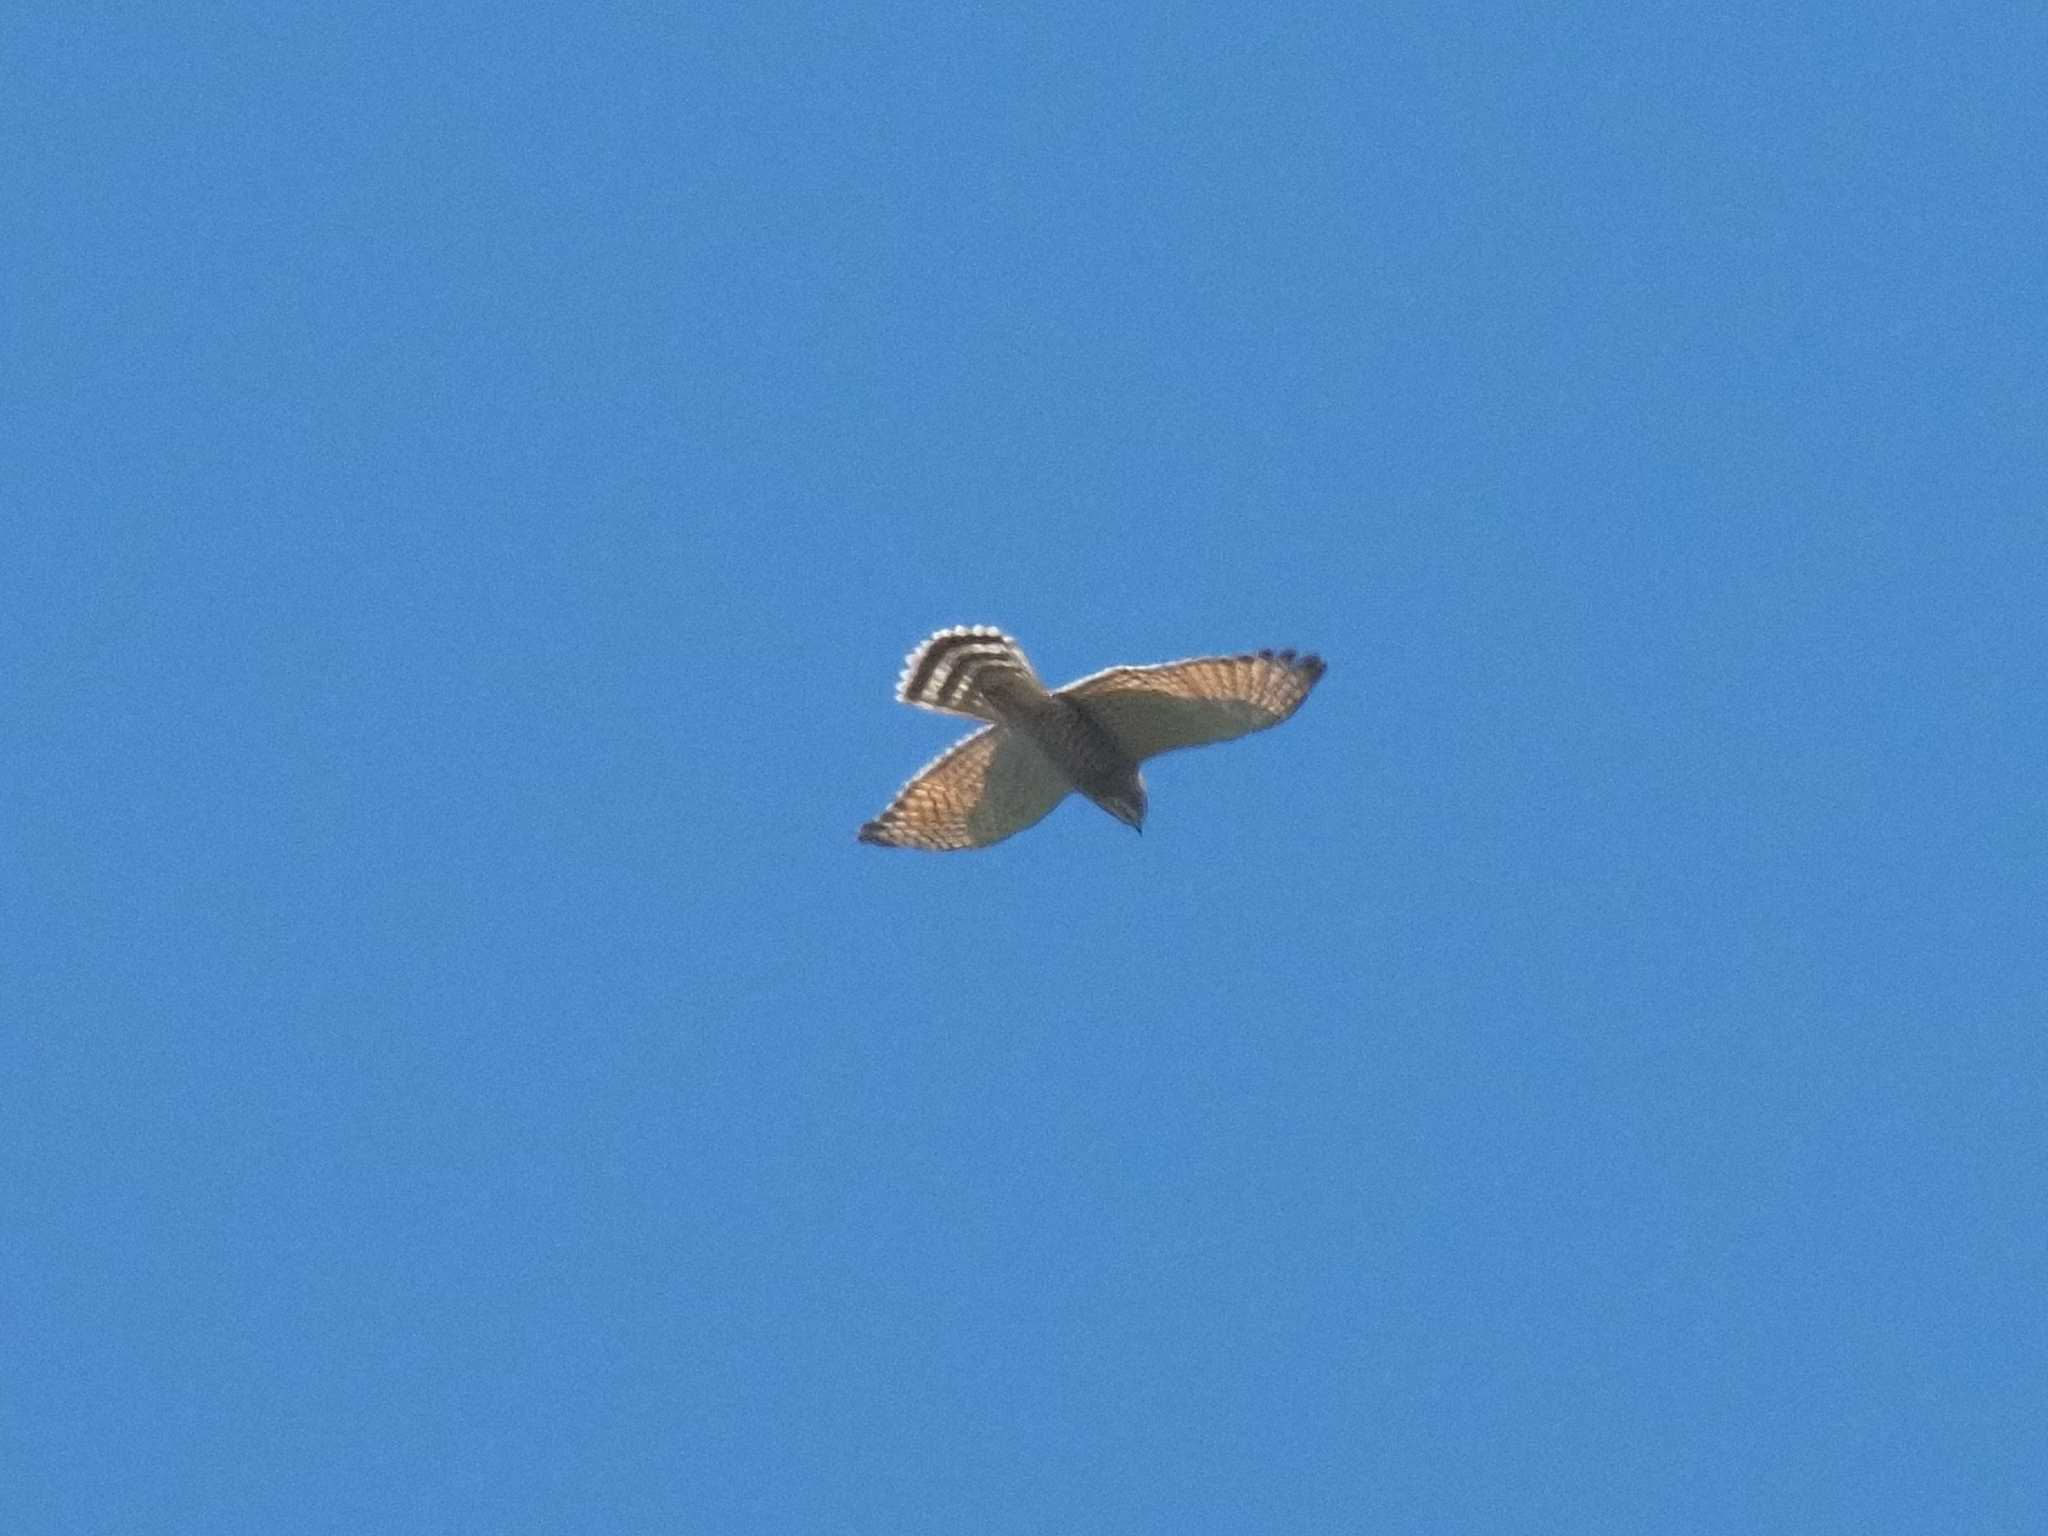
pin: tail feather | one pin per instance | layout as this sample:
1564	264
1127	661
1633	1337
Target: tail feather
970	670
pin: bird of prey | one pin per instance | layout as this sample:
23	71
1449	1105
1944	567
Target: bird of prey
1039	744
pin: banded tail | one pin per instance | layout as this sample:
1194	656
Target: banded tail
972	670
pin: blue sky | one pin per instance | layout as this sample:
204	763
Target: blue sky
469	480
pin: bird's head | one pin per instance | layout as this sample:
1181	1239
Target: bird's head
1127	803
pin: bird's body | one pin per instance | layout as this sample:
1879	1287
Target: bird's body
1090	736
1092	759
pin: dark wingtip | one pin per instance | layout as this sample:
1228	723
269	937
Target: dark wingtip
871	832
1298	661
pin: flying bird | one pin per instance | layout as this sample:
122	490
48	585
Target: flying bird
1040	744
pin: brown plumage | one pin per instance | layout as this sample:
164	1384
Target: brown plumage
1040	744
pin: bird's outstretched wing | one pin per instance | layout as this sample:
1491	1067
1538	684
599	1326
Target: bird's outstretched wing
978	791
1190	703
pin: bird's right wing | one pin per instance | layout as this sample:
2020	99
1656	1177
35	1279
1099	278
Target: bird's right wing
1150	710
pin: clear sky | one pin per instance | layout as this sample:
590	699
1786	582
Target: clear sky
469	477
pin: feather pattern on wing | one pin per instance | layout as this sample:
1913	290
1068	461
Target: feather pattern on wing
979	791
1189	703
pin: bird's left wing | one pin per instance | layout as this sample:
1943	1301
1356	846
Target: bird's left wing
980	790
